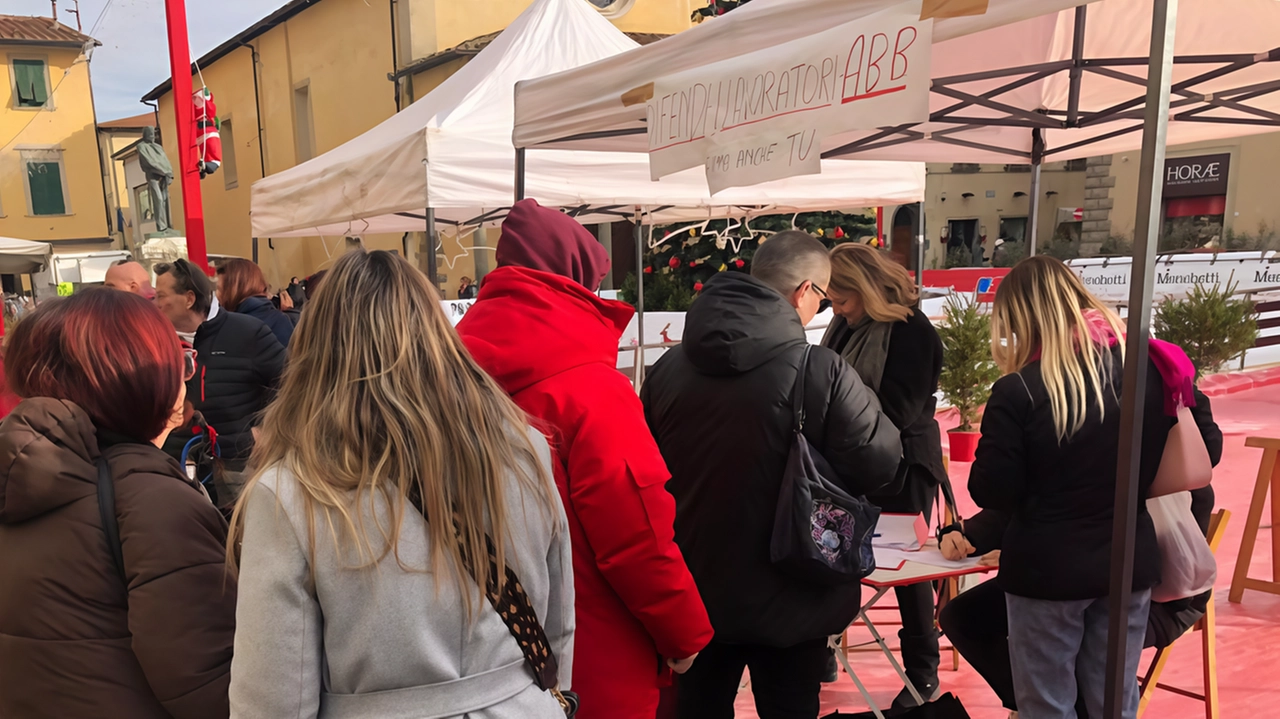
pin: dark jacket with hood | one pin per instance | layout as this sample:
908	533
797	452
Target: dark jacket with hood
719	405
74	641
270	315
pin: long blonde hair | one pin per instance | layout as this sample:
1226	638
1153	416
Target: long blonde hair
380	399
1041	307
884	286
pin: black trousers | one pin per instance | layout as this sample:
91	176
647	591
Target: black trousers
785	682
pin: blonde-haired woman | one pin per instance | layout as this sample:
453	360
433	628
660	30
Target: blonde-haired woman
879	330
351	603
1047	457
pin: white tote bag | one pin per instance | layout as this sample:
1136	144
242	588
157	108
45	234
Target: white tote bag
1187	565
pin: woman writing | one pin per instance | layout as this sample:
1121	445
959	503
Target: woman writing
111	603
364	532
880	332
1047	459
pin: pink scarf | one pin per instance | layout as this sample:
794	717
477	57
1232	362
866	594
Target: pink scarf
1176	369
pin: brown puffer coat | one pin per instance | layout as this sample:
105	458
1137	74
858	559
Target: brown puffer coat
72	644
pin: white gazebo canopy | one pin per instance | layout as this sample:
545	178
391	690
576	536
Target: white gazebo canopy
23	257
1022	81
451	151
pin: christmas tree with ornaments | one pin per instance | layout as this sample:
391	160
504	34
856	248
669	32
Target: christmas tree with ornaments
689	256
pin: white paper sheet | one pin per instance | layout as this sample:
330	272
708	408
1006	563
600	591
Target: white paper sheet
899	531
889	558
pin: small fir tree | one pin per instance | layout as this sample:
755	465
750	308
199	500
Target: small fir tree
968	370
1210	325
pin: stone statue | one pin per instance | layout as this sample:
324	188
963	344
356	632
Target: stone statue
159	173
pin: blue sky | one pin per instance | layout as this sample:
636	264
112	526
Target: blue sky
134	56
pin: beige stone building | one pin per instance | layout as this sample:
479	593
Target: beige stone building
1217	194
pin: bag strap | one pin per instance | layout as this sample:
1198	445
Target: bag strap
107	513
797	392
513	605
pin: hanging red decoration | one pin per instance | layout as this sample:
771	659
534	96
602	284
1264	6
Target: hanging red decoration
839	234
739	263
697	286
674	263
693	263
648	270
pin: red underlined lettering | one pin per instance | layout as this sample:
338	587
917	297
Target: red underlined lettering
781	114
877	93
677	144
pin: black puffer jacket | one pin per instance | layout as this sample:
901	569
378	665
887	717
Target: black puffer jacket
239	363
719	406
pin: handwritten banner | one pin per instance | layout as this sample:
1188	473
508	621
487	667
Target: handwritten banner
762	116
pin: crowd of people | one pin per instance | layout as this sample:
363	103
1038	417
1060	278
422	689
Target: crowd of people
215	505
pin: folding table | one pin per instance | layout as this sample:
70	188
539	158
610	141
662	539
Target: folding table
882	580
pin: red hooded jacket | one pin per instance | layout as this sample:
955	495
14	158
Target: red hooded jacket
553	345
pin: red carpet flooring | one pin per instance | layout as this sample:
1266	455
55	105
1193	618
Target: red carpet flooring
1248	633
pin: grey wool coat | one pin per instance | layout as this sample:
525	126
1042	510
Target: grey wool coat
381	642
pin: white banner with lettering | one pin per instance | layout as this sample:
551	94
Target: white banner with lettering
763	116
1108	278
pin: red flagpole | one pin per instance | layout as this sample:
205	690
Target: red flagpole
180	68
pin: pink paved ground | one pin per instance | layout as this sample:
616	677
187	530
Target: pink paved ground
1248	633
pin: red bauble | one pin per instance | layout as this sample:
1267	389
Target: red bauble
648	270
693	263
739	263
839	233
697	286
674	263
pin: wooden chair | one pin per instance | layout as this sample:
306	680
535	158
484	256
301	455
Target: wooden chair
1207	626
1268	478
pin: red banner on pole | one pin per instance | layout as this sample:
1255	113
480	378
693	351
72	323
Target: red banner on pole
188	173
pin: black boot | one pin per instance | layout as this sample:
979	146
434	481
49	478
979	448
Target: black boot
833	669
920	659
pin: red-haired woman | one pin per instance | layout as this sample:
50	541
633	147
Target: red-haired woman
114	598
243	288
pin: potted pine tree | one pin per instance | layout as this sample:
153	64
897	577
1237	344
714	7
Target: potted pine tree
967	371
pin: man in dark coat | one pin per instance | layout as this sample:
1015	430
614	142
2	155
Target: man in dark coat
239	363
719	405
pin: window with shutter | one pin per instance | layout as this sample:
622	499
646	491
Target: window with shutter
31	81
44	183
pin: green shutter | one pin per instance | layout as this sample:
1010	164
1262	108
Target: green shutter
45	181
30	77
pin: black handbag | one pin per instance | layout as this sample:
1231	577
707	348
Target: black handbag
946	707
821	533
512	604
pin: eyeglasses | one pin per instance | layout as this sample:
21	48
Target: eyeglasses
825	304
188	363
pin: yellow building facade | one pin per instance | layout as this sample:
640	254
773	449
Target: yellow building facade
317	73
51	186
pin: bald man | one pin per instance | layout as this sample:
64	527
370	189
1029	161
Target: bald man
129	276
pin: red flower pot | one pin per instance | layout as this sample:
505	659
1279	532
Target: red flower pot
963	445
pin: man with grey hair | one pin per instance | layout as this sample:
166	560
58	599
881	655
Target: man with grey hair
719	405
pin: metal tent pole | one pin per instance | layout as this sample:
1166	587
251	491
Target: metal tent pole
433	272
639	368
1033	217
519	174
1150	191
920	254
